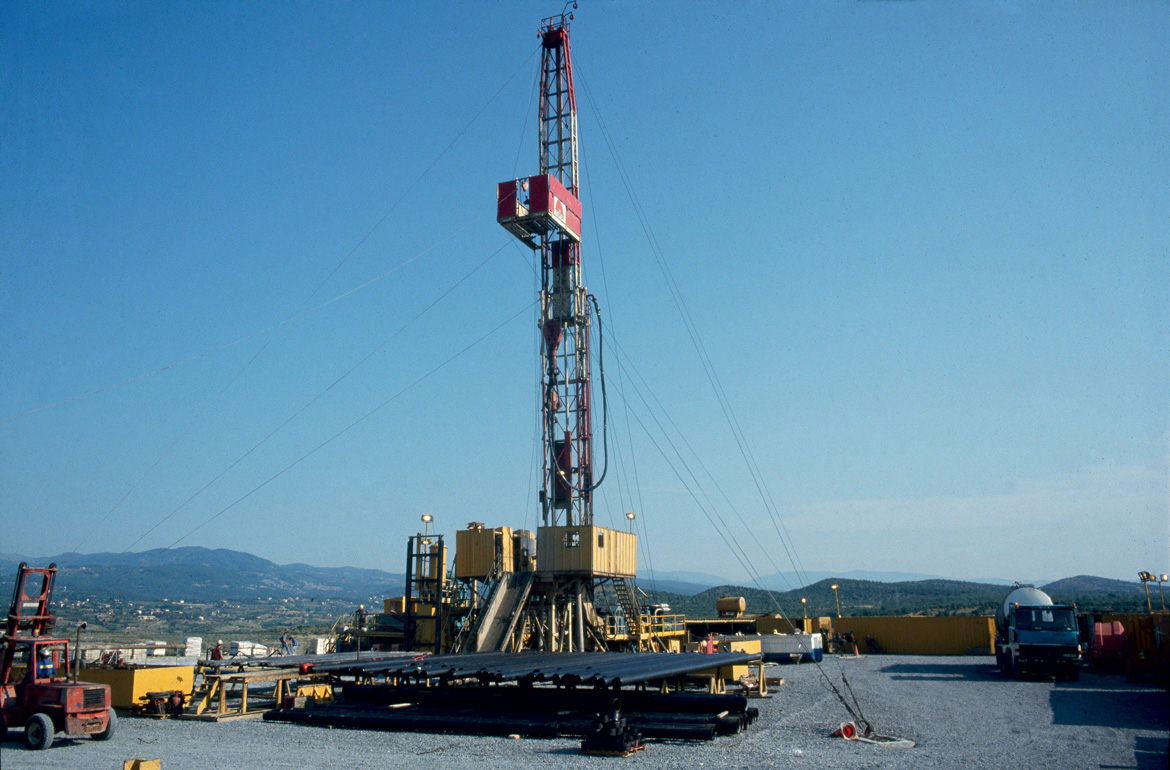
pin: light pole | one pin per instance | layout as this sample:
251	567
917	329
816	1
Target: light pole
631	516
427	519
804	607
836	599
77	651
1146	579
1161	593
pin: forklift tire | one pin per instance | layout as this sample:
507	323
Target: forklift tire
38	732
111	728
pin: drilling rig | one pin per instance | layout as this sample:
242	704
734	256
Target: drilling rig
573	555
514	589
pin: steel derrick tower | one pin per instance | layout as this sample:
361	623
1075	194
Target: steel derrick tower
544	212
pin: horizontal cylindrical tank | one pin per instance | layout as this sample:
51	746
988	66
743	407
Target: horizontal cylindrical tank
730	605
1025	596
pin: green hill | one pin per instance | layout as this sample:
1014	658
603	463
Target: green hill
919	597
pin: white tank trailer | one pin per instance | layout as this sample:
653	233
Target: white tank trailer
1034	636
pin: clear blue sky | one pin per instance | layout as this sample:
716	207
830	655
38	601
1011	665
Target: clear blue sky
924	244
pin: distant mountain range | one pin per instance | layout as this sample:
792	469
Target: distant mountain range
691	583
202	574
928	597
198	574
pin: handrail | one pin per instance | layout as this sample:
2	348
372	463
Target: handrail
651	624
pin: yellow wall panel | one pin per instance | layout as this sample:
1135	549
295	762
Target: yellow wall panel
921	636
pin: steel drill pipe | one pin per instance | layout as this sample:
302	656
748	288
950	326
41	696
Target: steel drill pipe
540	698
478	723
587	669
468	724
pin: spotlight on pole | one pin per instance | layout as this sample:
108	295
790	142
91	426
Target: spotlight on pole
1146	579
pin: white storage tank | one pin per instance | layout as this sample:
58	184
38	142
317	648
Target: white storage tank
1024	596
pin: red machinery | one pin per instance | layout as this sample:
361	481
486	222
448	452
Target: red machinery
32	693
544	212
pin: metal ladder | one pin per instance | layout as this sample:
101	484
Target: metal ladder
629	604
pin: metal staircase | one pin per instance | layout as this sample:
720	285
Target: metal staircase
630	606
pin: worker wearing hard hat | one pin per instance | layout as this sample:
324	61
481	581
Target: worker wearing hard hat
45	667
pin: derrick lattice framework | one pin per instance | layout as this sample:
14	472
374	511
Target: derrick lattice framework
555	610
568	435
544	212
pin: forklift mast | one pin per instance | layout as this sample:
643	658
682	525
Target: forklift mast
29	613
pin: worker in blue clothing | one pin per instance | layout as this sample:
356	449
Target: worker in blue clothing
45	667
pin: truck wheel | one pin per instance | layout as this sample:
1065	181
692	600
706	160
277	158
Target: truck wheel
111	728
38	732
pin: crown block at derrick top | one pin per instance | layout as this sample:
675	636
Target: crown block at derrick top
586	550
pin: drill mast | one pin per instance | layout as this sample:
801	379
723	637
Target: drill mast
544	212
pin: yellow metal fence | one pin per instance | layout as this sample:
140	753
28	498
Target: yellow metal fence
658	625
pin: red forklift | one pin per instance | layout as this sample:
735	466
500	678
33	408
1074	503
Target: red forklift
36	692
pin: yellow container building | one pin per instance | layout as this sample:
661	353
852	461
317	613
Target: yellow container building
586	550
129	686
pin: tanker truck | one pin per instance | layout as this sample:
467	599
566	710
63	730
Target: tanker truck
1035	636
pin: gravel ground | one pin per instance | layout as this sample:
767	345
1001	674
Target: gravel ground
959	711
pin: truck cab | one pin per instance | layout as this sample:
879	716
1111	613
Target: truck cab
1037	637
